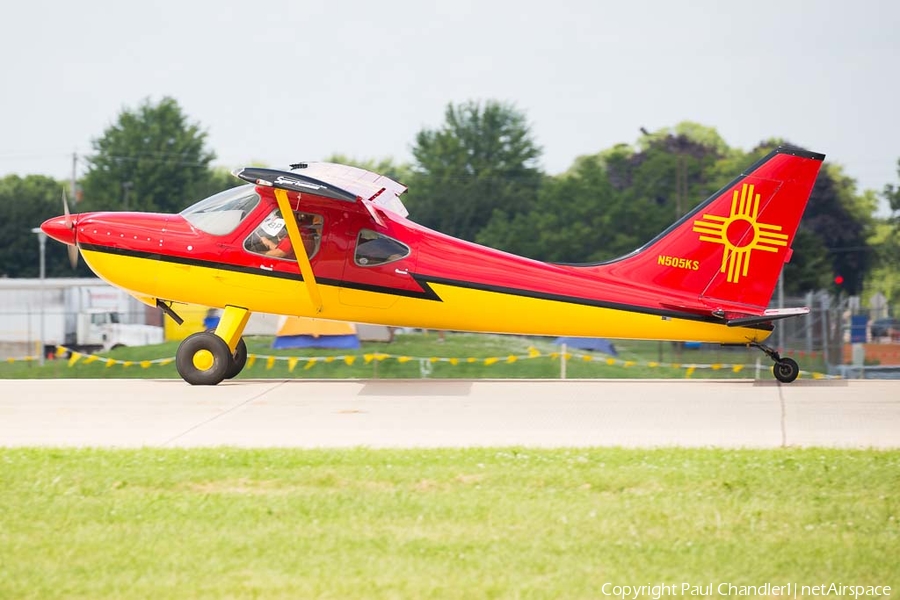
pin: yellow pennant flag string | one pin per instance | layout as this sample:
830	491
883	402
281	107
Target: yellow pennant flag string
75	357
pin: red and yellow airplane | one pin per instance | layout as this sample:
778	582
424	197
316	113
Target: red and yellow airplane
333	241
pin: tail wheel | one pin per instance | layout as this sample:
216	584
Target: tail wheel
238	360
786	370
203	359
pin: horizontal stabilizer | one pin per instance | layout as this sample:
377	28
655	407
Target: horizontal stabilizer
772	314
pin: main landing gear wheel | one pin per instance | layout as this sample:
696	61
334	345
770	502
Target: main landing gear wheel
204	359
785	369
238	360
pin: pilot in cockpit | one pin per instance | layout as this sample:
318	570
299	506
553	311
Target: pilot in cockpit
271	237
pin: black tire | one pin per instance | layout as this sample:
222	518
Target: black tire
786	370
198	349
238	360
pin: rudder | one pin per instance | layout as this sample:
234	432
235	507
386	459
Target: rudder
729	251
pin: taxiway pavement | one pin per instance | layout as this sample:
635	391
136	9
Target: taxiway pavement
446	413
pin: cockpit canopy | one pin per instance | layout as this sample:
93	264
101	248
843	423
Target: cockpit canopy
222	213
331	180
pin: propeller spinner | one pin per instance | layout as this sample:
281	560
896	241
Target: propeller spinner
62	229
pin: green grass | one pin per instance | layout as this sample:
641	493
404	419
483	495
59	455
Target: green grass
422	354
473	523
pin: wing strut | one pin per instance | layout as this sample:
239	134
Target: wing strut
290	221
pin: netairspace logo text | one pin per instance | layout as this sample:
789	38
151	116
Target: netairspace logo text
788	590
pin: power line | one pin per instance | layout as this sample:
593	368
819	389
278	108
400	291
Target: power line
12	157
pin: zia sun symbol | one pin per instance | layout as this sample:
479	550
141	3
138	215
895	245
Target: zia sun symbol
734	233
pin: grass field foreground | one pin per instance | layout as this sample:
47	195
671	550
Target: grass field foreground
472	523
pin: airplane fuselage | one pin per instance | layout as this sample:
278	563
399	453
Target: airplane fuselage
333	242
444	283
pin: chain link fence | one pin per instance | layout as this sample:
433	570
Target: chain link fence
840	331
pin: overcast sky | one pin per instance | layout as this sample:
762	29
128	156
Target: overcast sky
281	81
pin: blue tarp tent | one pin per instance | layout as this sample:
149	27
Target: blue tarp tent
592	344
302	332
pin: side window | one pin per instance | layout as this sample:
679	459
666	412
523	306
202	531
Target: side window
271	238
372	249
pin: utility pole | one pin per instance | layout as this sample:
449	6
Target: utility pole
780	328
681	185
126	187
42	241
73	189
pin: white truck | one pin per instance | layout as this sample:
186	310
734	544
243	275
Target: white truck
85	315
102	329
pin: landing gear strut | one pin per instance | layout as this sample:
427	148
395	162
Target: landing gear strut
785	369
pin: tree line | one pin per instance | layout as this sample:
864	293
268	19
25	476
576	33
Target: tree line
477	176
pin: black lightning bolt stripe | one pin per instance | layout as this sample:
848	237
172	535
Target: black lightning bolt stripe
425	294
424	281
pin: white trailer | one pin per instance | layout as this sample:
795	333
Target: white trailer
83	314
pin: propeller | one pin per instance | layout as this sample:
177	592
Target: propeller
70	223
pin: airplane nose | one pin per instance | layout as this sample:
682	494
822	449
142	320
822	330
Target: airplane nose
59	231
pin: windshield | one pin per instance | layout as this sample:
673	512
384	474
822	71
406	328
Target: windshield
222	213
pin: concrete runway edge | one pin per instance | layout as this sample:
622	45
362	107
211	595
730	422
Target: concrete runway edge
450	413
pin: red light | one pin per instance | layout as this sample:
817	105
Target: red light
838	280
